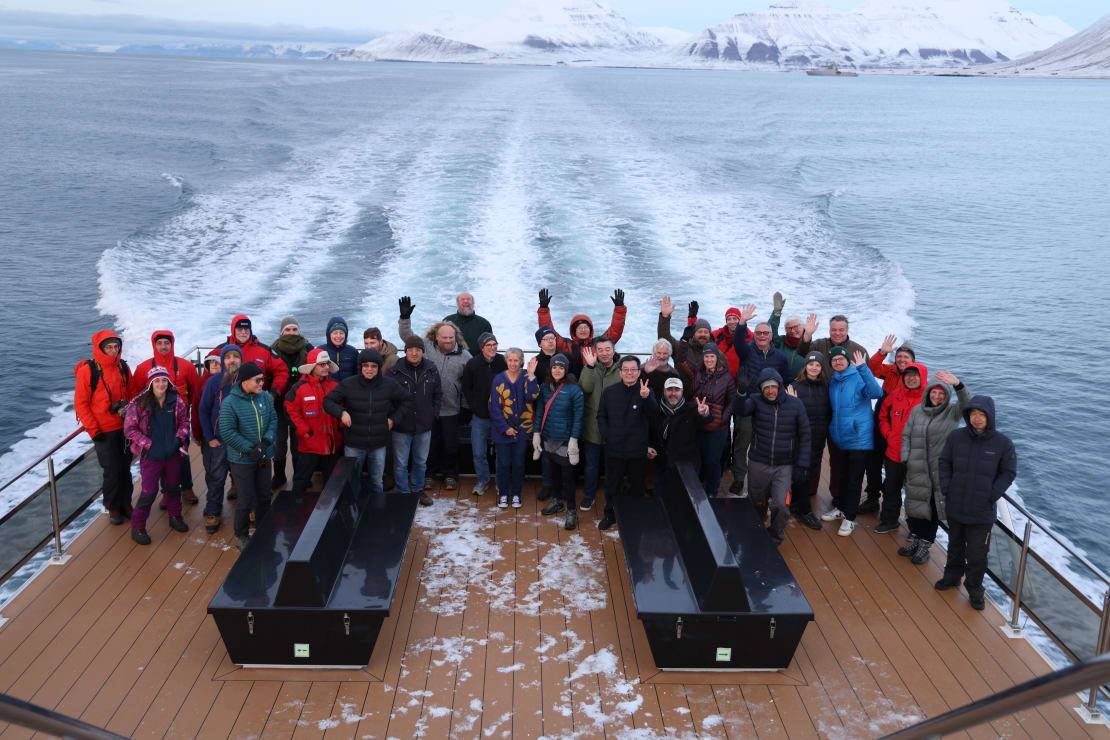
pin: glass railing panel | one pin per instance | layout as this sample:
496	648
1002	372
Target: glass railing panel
1068	618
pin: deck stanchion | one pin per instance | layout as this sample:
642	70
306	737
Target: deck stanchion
1013	629
58	556
1089	710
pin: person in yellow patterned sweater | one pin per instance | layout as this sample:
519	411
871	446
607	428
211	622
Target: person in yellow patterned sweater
512	403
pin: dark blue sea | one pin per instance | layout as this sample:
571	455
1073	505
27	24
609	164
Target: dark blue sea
967	215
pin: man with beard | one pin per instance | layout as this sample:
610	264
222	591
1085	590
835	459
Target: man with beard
697	334
470	324
292	349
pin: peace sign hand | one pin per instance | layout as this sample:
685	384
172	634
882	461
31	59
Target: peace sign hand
644	390
703	407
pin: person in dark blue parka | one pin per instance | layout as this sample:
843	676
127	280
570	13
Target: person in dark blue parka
339	351
977	465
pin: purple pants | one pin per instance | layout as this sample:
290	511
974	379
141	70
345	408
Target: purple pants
151	472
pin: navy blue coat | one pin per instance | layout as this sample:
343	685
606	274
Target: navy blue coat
564	418
346	356
624	419
753	361
423	385
815	397
780	428
976	468
853	421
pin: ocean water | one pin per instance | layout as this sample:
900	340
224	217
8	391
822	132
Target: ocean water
967	215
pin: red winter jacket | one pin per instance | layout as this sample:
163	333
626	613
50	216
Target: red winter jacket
93	407
895	411
318	433
182	373
275	371
724	338
614	332
886	372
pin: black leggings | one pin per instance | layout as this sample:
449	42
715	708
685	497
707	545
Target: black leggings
563	479
850	468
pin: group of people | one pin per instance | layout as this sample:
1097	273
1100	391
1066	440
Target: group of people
765	404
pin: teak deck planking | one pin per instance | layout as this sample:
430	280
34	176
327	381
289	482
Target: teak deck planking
119	636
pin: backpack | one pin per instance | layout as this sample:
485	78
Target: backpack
95	374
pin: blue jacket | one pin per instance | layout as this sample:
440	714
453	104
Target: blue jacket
780	428
853	421
245	420
564	420
753	361
976	468
208	409
346	356
512	405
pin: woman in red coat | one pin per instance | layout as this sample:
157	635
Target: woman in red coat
319	440
893	414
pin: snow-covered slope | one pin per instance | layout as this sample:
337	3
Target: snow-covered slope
1087	53
880	34
253	50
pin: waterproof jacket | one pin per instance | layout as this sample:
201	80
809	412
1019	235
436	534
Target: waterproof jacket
422	384
245	420
885	372
780	428
371	404
594	380
894	411
658	377
976	468
718	389
274	370
923	439
571	344
794	360
753	361
663	329
318	433
183	375
814	395
208	410
725	339
850	393
93	406
471	327
625	420
198	430
449	364
136	425
512	406
477	379
345	355
674	431
563	418
292	349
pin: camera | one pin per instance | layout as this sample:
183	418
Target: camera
117	406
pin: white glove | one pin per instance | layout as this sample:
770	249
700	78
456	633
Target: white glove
537	446
572	451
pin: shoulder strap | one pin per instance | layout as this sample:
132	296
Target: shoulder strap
291	394
547	406
94	375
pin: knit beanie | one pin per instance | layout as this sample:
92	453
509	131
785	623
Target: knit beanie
815	356
710	348
770	381
248	371
732	312
413	342
838	352
908	350
560	360
542	332
702	324
373	355
243	323
289	321
485	337
337	325
157	372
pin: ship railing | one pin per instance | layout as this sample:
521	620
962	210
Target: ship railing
33	717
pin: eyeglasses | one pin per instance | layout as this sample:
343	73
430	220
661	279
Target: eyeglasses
762	332
630	369
259	381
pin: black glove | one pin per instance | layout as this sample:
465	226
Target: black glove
693	313
688	333
545	298
406	307
618	297
257	453
801	475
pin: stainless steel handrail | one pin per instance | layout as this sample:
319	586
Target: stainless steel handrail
40	719
47	454
1052	535
1091	672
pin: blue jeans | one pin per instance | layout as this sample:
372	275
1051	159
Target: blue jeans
419	444
591	457
479	446
711	445
510	465
375	460
215	476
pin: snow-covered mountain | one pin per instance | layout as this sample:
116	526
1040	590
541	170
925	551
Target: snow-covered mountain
251	50
892	34
1087	53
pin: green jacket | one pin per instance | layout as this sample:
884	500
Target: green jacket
594	380
245	420
797	361
472	327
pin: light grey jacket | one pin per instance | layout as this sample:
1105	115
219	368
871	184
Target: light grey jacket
923	438
450	366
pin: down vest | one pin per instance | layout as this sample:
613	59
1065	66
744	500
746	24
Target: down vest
853	423
923	438
976	468
371	404
780	428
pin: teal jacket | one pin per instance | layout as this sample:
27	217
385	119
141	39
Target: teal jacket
564	419
245	420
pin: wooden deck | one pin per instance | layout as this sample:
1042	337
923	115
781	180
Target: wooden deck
507	626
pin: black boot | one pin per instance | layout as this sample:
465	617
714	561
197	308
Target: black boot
140	536
921	554
949	581
555	507
978	598
571	520
178	524
908	549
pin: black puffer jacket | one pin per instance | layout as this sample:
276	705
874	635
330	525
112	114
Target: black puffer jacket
477	379
815	397
674	432
976	468
422	385
370	403
780	428
624	420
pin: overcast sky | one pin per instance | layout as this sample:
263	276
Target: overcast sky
688	15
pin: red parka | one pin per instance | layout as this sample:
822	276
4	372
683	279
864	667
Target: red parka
896	408
183	374
92	407
567	344
318	432
274	370
886	372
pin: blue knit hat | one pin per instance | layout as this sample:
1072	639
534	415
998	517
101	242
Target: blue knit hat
542	332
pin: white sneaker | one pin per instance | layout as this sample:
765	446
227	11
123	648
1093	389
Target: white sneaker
832	515
503	502
480	487
846	528
516	502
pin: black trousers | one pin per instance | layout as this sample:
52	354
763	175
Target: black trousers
115	461
564	482
892	491
968	545
443	456
616	468
925	529
876	460
308	463
253	483
849	467
286	438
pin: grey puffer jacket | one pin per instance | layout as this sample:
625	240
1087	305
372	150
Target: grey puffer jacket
450	366
923	439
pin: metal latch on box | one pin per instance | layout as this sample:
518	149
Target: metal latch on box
346	623
772	625
250	623
678	629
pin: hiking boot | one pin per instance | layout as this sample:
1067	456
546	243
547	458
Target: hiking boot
947	582
140	536
832	515
502	502
211	523
555	507
480	487
810	521
571	522
921	554
886	528
241	541
115	516
189	497
847	526
869	505
606	522
450	484
978	598
425	499
736	486
910	547
178	524
587	504
545	493
428	484
516	502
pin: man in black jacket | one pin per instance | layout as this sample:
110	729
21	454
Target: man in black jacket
624	422
368	405
674	431
977	465
477	379
420	381
780	447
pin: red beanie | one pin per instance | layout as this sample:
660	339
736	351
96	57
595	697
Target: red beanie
732	312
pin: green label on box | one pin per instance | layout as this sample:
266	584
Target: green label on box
724	655
300	650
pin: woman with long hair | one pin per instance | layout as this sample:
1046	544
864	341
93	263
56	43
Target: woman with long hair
713	382
811	387
555	436
512	403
